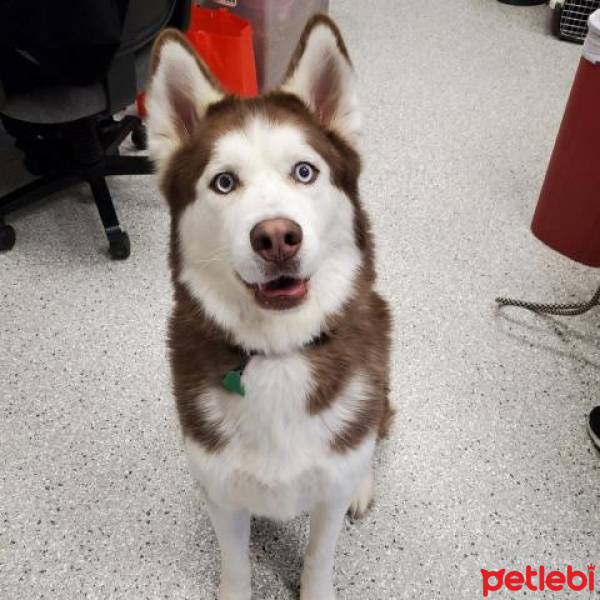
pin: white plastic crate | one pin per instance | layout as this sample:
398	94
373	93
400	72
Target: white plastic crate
570	18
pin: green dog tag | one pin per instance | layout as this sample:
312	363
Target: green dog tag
233	382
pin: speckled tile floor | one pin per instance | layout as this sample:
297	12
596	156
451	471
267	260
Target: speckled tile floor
489	465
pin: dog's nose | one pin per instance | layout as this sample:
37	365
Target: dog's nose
276	240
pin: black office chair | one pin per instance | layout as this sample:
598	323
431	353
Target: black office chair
68	132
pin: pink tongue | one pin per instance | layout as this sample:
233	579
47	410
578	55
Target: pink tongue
297	288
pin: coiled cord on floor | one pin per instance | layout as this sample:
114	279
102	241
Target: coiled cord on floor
565	310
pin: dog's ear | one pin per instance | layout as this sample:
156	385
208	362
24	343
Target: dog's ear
321	74
181	89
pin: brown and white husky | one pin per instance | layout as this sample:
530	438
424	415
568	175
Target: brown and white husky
279	344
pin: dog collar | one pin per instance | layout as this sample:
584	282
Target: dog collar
232	380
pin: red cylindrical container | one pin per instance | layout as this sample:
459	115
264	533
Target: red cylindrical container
567	217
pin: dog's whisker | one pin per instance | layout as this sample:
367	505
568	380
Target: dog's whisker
209	260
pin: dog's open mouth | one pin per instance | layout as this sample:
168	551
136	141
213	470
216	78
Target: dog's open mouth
282	293
283	286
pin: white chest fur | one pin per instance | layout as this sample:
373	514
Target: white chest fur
278	461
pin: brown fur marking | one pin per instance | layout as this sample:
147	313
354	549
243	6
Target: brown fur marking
361	344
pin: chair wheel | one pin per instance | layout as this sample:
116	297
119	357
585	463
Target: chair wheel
139	137
8	237
120	247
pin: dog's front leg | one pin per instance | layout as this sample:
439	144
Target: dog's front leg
325	524
233	532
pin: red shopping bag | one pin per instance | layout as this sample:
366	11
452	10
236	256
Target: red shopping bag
224	41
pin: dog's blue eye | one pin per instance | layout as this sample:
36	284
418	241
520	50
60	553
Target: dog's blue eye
305	173
223	183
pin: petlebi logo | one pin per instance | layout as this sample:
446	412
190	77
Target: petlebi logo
541	580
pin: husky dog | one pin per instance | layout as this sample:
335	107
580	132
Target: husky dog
279	344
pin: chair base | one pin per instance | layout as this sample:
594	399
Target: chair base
87	150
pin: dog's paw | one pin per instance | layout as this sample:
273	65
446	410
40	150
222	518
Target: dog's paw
226	593
316	584
331	596
363	498
317	594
